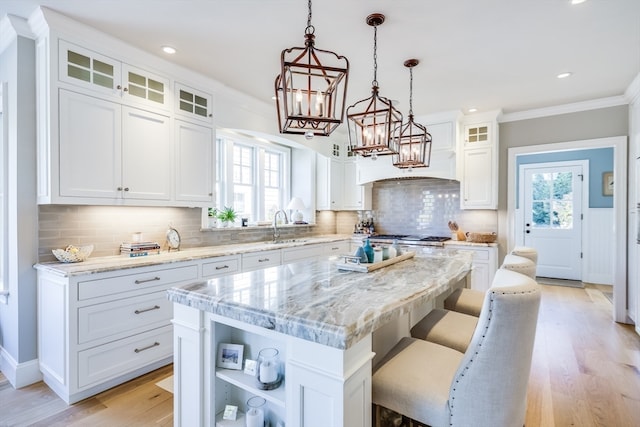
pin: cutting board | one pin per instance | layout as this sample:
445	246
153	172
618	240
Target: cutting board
366	268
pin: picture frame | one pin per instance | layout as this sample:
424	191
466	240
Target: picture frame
230	356
607	183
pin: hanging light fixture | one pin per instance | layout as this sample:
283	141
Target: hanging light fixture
311	88
414	142
374	122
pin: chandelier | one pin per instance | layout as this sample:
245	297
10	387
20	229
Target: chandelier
374	123
414	142
311	88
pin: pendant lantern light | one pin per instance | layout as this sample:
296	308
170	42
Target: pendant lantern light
414	142
374	123
311	88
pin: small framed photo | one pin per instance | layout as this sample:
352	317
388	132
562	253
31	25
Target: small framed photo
607	184
230	356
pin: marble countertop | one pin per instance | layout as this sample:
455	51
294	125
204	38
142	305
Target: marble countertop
360	237
315	301
111	263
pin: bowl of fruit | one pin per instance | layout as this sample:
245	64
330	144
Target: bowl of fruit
73	253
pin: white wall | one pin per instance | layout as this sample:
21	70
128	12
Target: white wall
633	94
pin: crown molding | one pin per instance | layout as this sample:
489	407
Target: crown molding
11	27
633	91
575	107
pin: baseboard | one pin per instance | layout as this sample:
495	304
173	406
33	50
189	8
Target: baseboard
19	374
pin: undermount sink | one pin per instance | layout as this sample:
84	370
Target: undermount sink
288	241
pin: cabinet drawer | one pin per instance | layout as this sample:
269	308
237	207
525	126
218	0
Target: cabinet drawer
478	254
300	252
261	259
336	248
221	266
124	317
104	362
132	282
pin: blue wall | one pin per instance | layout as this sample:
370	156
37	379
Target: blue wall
600	161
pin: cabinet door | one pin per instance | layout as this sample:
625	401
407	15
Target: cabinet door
193	104
144	88
323	178
194	162
478	134
89	70
146	153
336	184
355	197
478	179
90	150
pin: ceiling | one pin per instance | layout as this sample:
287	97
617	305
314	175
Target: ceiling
487	54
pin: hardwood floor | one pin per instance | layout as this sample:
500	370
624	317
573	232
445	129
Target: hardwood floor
585	372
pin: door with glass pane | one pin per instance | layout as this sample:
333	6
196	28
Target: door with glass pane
552	208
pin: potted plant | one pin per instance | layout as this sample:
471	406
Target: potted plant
212	214
227	216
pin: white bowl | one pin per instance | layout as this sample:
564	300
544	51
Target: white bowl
73	253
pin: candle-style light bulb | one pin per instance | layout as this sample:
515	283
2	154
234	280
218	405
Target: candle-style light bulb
299	102
320	103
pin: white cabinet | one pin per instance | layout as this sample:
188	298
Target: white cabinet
337	187
193	104
99	330
485	264
479	164
194	160
109	77
112	151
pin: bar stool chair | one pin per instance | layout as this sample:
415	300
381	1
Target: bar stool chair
455	330
485	386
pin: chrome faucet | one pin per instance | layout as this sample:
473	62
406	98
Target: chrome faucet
276	232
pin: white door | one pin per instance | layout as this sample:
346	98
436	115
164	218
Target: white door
552	209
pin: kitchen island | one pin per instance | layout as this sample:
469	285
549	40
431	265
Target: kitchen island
322	320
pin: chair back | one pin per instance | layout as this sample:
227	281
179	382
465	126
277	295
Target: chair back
490	385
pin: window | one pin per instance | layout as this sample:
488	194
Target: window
252	176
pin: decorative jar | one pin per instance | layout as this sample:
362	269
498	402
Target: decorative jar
268	375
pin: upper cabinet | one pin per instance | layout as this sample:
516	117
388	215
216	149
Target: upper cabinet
113	133
98	73
192	104
478	162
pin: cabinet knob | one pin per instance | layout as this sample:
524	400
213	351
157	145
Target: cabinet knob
126	188
119	188
125	89
210	115
118	87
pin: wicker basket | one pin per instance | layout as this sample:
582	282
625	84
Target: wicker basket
481	237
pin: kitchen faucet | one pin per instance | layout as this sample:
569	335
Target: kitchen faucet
276	232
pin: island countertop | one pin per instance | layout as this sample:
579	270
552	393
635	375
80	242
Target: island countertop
315	301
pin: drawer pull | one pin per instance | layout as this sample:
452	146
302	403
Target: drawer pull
137	282
144	310
222	267
155	344
334	249
263	260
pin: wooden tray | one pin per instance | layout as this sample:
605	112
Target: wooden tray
366	268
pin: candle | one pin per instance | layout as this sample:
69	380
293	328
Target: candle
255	417
268	372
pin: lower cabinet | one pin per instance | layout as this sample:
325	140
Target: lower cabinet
485	264
99	330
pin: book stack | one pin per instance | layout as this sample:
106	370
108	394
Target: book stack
139	249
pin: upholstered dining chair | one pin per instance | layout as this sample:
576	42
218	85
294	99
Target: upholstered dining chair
469	301
485	386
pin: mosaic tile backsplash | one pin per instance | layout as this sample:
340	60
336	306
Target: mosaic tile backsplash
424	206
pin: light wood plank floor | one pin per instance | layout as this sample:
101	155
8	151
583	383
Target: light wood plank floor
585	372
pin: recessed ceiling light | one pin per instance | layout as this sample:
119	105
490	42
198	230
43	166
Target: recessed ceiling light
577	1
564	75
472	110
168	49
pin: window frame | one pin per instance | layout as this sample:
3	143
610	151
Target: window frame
224	184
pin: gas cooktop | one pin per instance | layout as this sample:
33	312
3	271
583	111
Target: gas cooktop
409	239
